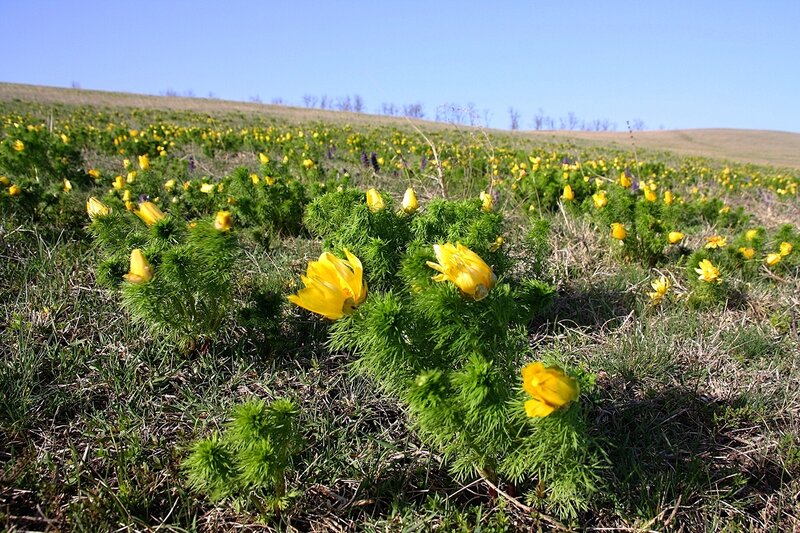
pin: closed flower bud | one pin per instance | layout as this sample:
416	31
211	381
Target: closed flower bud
14	190
773	259
550	388
487	202
410	201
144	162
149	213
95	208
568	195
618	231
464	268
674	237
375	201
140	271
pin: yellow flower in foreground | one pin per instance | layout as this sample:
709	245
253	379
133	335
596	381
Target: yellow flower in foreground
650	195
67	185
715	241
464	268
263	158
224	221
618	231
375	201
708	272
668	197
599	199
14	190
660	288
333	287
773	259
308	164
119	182
149	213
18	145
568	195
625	181
674	237
4	181
747	253
95	208
487	202
140	271
144	162
751	234
786	248
550	388
208	188
410	201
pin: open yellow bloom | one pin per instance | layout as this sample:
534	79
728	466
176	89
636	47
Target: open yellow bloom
18	145
14	190
208	188
149	213
332	287
140	271
550	388
144	162
660	288
708	272
625	181
263	158
747	253
773	259
650	195
618	231
95	208
119	183
93	172
751	234
375	201
568	195
715	241
67	185
410	201
674	237
668	197
599	199
786	248
464	268
224	221
487	202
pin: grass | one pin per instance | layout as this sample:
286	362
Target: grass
699	409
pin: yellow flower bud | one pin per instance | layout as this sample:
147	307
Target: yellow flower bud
773	259
375	201
618	231
410	201
568	195
674	237
14	190
140	271
144	162
464	268
224	221
487	202
332	287
550	388
149	213
95	208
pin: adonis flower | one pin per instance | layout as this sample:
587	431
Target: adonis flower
568	195
149	213
95	208
144	162
715	241
375	201
18	145
786	248
624	180
660	288
747	253
708	272
650	195
333	286
14	190
464	268
487	202
410	204
599	199
618	231
674	237
140	271
773	259
550	389
223	222
751	234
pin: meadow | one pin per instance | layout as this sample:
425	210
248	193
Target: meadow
224	318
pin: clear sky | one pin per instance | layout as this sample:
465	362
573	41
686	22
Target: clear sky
673	64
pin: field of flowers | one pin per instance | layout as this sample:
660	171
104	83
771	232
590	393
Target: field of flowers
229	321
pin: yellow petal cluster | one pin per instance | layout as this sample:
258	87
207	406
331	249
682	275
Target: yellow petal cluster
333	287
487	202
674	237
410	204
144	162
568	195
716	241
14	190
747	253
786	248
773	259
599	199
618	231
149	213
660	288
95	208
550	389
140	271
375	201
707	271
464	268
223	221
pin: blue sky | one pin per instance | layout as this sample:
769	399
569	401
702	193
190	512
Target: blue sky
679	64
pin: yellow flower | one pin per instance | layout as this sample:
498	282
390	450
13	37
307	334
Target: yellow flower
674	237
650	195
144	162
786	248
126	163
410	201
668	197
263	158
255	179
269	181
223	222
18	145
567	195
660	288
4	181
618	231
747	253
140	271
126	195
375	201
487	202
708	272
498	242
773	259
599	199
93	172
308	164
67	185
207	188
149	213
131	176
550	388
464	268
95	208
169	184
14	190
625	181
332	287
119	182
715	241
751	234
